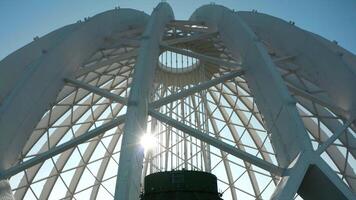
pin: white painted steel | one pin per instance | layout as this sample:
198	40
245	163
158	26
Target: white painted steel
132	154
35	73
264	90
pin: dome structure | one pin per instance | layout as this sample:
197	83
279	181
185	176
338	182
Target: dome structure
88	110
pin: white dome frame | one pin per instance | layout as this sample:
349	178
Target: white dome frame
297	88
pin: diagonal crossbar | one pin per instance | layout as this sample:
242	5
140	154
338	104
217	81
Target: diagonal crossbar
61	148
97	90
99	64
162	101
217	143
195	89
334	137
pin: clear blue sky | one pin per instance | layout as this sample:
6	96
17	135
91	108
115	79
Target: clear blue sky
21	20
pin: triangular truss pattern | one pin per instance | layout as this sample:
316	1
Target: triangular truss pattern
203	115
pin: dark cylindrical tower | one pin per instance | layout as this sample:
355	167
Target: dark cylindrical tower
177	185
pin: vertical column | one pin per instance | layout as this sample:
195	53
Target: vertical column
131	157
207	158
5	190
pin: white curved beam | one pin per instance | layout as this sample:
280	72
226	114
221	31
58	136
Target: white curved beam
37	76
322	62
274	102
131	156
273	99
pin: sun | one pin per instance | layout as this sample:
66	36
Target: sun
148	141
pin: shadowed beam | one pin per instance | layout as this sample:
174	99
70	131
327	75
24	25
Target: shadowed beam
284	58
314	98
61	148
217	143
335	179
97	90
200	56
334	137
91	67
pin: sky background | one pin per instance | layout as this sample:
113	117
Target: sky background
21	21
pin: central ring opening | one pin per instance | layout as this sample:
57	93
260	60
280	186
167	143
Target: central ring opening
177	63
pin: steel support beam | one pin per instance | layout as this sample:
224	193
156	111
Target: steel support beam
282	120
97	90
64	157
61	148
334	178
132	154
195	89
272	99
202	144
322	62
236	137
314	98
334	137
163	101
290	182
329	120
104	164
217	143
32	76
333	151
224	155
99	64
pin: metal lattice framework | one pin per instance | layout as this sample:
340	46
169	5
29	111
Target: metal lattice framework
265	106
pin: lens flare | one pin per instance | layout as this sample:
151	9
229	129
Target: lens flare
148	141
